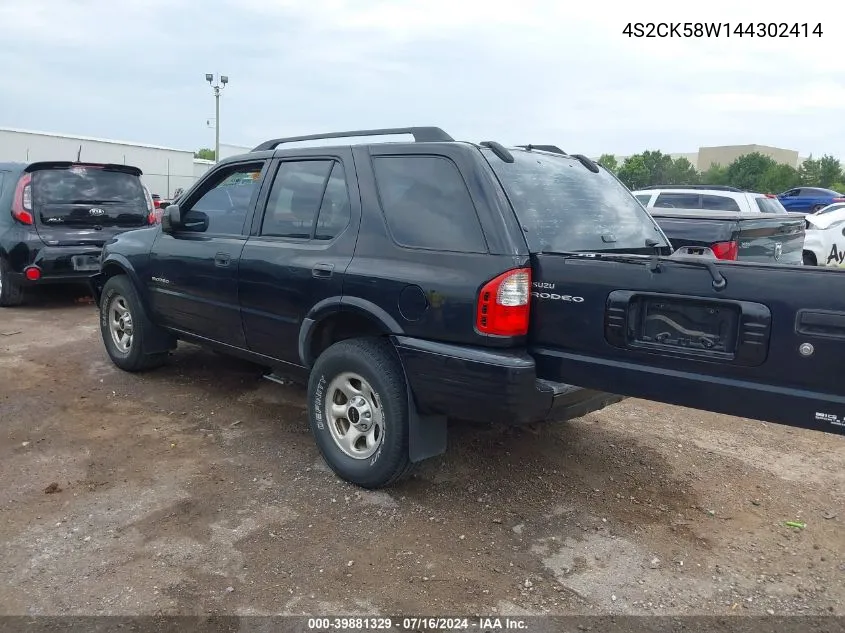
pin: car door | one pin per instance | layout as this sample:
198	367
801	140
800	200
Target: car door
791	200
302	241
748	339
193	284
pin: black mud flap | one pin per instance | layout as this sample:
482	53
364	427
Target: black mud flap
757	341
426	433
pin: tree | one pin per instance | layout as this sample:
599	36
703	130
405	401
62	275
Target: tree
809	171
634	172
746	172
830	171
204	153
609	162
778	178
715	175
681	172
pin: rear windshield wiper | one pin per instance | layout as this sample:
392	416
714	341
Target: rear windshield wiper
653	262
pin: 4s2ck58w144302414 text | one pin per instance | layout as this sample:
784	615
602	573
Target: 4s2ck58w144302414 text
722	29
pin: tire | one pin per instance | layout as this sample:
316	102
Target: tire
817	207
129	352
365	376
11	292
809	259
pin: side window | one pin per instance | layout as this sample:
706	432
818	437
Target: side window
643	198
792	193
227	203
335	210
295	199
427	205
718	203
678	201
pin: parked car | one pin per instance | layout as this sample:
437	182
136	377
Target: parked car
825	241
809	199
56	216
411	282
734	224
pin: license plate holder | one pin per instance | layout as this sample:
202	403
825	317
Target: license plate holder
85	263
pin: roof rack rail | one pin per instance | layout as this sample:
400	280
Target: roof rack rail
499	150
420	134
711	187
554	149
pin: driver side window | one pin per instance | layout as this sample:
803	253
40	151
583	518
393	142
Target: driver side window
228	201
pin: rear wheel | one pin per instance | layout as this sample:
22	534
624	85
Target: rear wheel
358	412
125	327
818	207
11	291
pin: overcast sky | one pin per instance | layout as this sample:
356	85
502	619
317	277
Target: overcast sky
517	71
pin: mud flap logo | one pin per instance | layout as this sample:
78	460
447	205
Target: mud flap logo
318	402
835	420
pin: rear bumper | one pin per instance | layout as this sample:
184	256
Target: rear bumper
489	385
56	264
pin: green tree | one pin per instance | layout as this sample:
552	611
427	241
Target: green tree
715	175
810	172
634	172
746	172
778	178
839	186
609	162
681	172
830	171
204	153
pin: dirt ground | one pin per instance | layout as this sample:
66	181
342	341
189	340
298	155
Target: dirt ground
197	489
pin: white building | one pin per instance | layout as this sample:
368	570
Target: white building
165	169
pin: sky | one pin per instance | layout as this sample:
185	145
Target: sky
520	71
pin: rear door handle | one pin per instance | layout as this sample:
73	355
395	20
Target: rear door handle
222	259
322	270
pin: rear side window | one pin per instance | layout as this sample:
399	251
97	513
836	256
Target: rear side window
427	204
718	203
770	205
678	201
295	198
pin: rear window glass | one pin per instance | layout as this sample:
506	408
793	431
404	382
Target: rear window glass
86	185
427	205
564	207
770	205
718	203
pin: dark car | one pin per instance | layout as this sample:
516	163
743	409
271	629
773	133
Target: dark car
56	216
412	282
809	199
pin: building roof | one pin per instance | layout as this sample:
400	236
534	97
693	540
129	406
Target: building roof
94	139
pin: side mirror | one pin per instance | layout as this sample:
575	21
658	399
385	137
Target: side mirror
171	219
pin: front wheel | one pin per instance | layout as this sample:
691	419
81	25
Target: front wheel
358	412
125	327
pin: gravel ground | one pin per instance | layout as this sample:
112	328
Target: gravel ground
197	489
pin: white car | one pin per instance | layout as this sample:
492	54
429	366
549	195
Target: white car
824	239
707	197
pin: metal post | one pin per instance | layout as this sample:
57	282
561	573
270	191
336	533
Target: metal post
217	123
168	178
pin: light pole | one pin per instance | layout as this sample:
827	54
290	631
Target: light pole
217	87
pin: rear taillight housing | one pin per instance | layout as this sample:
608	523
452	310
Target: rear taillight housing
725	250
504	304
837	200
22	200
152	216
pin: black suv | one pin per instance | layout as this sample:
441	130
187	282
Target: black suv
410	282
56	216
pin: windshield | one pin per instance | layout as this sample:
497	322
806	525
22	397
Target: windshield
564	207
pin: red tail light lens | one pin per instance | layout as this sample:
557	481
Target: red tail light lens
22	201
725	250
771	195
504	304
837	200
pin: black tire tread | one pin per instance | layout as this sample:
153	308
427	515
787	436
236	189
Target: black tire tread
378	354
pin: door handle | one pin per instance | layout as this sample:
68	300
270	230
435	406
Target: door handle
222	259
322	271
822	323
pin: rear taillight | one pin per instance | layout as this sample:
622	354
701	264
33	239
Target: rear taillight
22	201
725	250
837	200
504	303
152	217
771	195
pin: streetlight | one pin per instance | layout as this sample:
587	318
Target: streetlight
217	87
